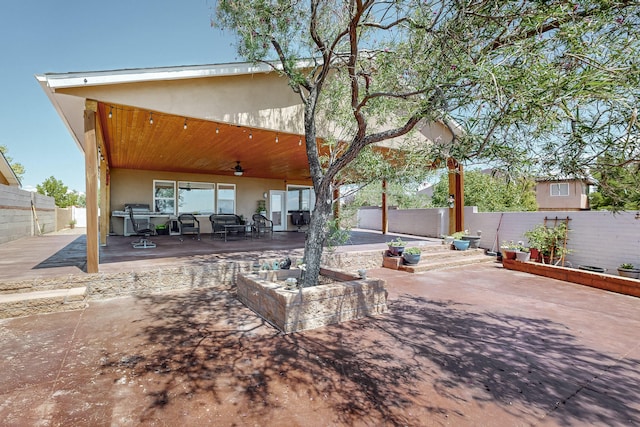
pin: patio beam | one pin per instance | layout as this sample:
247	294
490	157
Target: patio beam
91	184
385	211
456	196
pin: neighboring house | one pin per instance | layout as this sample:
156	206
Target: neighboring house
7	175
570	194
222	138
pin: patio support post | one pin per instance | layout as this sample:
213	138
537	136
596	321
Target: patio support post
385	212
105	193
91	183
456	196
105	212
336	204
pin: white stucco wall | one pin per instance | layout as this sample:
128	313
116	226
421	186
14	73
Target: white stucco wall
598	238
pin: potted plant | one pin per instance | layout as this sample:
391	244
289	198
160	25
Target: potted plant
537	238
72	223
396	247
523	254
548	242
262	207
411	255
509	249
628	270
475	240
458	242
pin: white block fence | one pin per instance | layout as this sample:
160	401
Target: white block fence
596	238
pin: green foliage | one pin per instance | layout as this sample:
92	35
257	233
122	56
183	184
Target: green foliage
489	193
55	188
626	266
548	239
458	234
397	243
336	234
412	251
402	195
618	179
17	168
534	85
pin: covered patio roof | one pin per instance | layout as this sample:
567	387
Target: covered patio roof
190	119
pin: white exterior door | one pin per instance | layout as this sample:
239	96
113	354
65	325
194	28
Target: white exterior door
277	210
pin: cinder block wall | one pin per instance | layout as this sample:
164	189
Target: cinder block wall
17	219
596	238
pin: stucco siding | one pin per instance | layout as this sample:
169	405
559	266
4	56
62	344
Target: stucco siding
134	186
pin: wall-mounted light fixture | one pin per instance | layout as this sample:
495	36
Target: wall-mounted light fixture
264	195
185	124
150	118
452	201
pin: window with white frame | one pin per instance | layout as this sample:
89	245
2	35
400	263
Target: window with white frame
196	197
300	198
560	189
226	201
164	197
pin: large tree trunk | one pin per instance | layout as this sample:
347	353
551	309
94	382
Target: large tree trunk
316	235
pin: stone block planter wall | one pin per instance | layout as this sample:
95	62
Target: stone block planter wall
309	308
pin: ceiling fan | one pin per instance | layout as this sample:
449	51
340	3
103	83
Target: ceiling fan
238	171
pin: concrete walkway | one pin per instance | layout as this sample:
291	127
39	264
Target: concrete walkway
470	346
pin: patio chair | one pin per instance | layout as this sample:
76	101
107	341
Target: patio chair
144	231
261	224
189	224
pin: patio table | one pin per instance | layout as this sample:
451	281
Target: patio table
239	228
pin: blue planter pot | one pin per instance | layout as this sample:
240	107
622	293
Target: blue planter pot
474	241
461	245
411	259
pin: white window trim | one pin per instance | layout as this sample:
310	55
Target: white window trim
195	183
175	194
235	195
558	186
294	187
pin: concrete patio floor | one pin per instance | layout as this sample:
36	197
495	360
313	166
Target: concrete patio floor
471	346
64	253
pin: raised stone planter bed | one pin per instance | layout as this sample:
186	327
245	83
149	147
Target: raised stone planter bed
621	285
346	298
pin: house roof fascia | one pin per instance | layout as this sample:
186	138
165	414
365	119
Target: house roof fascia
589	181
7	171
93	78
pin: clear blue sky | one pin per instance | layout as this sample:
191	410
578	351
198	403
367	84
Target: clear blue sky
43	36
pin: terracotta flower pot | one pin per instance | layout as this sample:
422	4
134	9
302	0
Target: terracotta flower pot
508	254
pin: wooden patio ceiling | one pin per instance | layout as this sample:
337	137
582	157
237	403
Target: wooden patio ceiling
137	138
